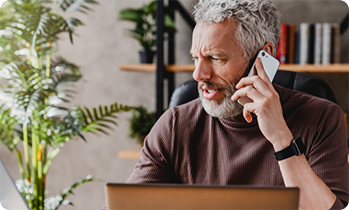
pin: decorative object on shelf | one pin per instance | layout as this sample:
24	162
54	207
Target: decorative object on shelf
147	56
141	123
145	27
35	121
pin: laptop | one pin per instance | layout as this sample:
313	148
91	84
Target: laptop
166	196
10	197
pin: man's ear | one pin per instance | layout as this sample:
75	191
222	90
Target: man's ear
269	48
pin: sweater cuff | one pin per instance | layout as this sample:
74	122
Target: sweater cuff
337	205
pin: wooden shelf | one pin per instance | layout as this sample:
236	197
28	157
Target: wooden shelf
152	67
130	154
138	67
332	68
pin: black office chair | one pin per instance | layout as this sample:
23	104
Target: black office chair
298	81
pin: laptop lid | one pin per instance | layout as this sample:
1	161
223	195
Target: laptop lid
163	196
10	197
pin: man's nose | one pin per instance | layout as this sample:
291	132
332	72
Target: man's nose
202	71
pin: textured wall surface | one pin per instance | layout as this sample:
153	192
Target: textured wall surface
98	50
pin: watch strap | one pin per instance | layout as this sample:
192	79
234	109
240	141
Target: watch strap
296	148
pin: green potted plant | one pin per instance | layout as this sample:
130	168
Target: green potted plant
141	123
145	27
36	115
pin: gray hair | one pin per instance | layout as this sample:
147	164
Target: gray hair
258	21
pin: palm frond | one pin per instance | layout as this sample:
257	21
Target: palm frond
45	26
8	45
53	152
60	64
77	5
7	123
72	23
40	24
71	6
64	77
22	76
36	98
96	121
54	202
70	126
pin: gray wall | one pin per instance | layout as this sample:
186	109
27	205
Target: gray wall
100	48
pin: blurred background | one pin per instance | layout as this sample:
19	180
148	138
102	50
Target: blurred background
100	47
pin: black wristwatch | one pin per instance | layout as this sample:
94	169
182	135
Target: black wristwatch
296	148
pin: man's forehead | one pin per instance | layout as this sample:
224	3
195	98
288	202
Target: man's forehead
213	38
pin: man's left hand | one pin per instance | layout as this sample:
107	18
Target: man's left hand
266	106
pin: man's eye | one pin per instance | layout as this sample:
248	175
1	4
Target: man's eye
195	58
215	59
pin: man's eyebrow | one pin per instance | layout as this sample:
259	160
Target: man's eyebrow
214	53
217	53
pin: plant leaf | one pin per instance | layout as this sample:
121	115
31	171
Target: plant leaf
7	123
54	202
76	5
97	121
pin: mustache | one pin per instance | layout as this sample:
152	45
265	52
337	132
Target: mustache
230	87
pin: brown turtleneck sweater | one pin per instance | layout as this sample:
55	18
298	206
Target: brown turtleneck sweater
188	146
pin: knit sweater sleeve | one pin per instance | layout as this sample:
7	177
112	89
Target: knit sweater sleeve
327	155
156	161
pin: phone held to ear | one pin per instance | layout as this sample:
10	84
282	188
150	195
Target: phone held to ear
270	65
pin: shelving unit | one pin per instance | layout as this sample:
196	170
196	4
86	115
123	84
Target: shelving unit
176	68
332	68
164	71
161	72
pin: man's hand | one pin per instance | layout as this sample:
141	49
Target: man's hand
266	106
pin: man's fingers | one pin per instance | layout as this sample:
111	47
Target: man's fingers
261	71
248	91
248	109
254	81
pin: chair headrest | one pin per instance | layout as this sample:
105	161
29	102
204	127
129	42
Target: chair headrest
298	81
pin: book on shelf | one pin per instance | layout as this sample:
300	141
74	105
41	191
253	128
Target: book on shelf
326	44
282	44
303	43
317	43
335	49
309	43
291	43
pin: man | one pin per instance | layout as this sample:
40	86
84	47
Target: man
215	140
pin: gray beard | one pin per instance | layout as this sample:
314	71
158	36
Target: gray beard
225	108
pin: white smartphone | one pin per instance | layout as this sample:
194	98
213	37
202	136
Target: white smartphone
270	65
